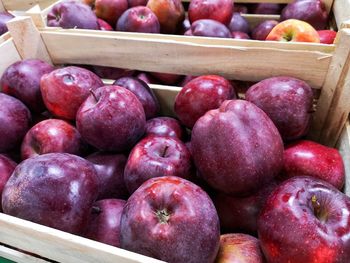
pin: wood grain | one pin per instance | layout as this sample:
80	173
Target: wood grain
26	4
9	55
18	256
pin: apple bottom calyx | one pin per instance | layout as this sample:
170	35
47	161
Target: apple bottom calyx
163	216
96	210
320	213
288	36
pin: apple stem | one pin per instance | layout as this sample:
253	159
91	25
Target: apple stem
316	205
96	210
164	151
93	94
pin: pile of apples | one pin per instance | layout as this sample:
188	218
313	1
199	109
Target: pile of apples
99	161
217	18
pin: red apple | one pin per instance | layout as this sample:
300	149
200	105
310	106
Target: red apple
22	81
6	168
4	18
111	72
110	10
171	219
138	19
219	10
200	95
110	174
240	35
266	9
239	23
104	221
287	101
262	30
133	3
146	77
166	78
305	220
239	248
111	119
65	89
237	148
55	190
104	26
209	28
327	36
295	31
165	126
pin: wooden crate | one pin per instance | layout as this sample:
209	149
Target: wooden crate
324	67
23	5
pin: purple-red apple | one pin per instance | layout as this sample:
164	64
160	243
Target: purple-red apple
166	78
209	28
55	190
201	95
6	168
104	221
133	3
239	23
146	77
111	119
110	174
103	25
327	36
65	89
143	92
109	10
4	18
237	148
266	9
288	103
239	35
171	219
22	81
138	19
156	156
262	30
111	72
305	220
165	126
219	10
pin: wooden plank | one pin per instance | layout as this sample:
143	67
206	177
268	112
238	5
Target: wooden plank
333	104
26	4
341	11
9	55
344	148
18	256
2	7
254	19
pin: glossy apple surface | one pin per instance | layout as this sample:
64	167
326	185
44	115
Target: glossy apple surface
209	28
4	18
104	26
6	168
239	23
200	95
240	35
219	10
55	190
171	219
262	30
327	36
237	148
133	3
305	220
165	126
110	10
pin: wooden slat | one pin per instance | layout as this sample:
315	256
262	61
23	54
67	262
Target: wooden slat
26	4
18	256
344	148
2	7
9	55
341	11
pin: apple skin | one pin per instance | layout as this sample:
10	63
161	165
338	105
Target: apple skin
133	3
266	9
200	95
71	14
103	25
50	136
110	174
143	92
316	160
65	89
209	28
240	35
55	190
287	101
111	119
315	240
240	8
138	19
170	13
193	233
110	10
22	81
239	248
262	30
156	156
327	36
15	119
237	148
295	31
165	126
311	11
166	78
219	10
6	168
240	214
111	72
147	77
4	18
239	23
104	221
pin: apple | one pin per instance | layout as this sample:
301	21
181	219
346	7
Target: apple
6	168
295	31
200	95
188	32
110	10
305	220
266	9
241	213
241	8
111	72
133	3
110	174
111	119
262	30
165	126
209	28
311	11
15	121
239	248
138	19
22	81
4	18
170	13
156	156
65	89
239	23
71	14
52	136
104	26
166	78
316	160
237	148
287	101
240	35
143	92
327	36
104	222
185	26
55	190
219	10
146	77
171	219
